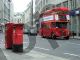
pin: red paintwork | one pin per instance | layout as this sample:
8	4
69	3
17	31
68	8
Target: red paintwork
8	35
18	34
55	9
57	31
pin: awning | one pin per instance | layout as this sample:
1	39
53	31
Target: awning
74	12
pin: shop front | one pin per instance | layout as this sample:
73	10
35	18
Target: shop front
75	21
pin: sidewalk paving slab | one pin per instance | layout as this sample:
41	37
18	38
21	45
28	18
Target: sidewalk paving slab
33	55
2	56
75	37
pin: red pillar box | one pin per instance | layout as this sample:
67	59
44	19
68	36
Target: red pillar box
18	38
8	35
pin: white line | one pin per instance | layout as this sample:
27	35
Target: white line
42	48
73	43
72	54
25	42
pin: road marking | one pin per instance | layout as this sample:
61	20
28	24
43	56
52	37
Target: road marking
42	48
40	56
72	54
73	43
25	42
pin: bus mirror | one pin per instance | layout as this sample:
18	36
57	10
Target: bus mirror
68	17
56	17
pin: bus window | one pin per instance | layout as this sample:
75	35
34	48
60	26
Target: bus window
45	26
62	17
61	25
53	25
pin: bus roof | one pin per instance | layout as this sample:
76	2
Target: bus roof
60	9
57	9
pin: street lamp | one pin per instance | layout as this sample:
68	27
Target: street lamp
32	13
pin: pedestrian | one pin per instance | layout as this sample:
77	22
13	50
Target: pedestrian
73	34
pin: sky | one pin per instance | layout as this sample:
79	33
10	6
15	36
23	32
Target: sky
20	5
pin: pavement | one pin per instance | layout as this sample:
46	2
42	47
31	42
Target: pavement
37	48
33	55
75	37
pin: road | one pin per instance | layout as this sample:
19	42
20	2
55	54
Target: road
37	48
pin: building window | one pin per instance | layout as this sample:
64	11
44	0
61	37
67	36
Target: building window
36	1
65	4
46	1
9	0
73	4
43	2
39	7
78	3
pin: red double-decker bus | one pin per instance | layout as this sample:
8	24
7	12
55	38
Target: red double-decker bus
54	23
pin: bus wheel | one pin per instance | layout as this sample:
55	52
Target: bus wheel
53	36
43	36
67	37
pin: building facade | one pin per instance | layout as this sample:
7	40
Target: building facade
73	5
28	14
41	6
18	18
11	12
27	17
5	10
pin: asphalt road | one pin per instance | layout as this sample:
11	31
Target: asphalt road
69	49
37	48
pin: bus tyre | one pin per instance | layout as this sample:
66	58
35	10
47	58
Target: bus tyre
67	37
42	35
53	36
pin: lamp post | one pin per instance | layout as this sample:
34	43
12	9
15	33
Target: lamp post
31	13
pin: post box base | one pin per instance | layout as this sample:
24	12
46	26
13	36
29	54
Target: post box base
9	48
17	48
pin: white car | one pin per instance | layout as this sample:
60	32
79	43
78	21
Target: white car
26	31
33	31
